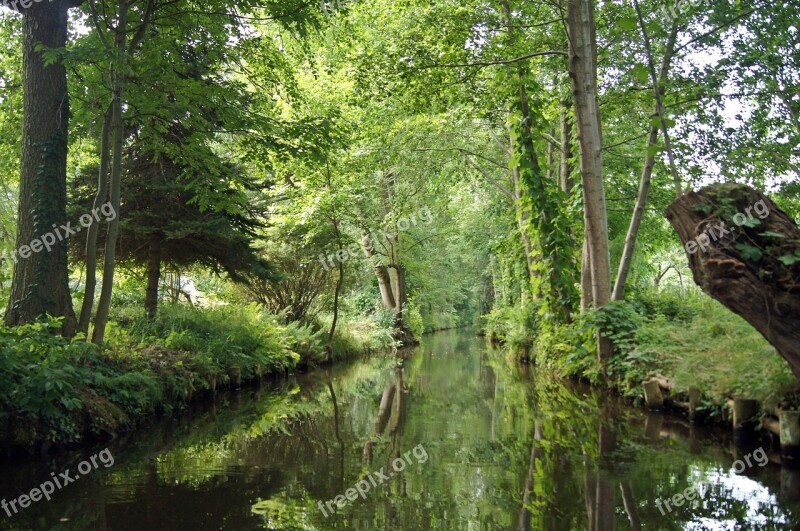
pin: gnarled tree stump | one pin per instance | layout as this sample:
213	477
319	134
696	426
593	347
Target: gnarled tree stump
745	252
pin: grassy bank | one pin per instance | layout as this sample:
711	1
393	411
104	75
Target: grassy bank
54	390
688	338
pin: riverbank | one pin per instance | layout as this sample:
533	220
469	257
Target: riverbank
56	391
700	356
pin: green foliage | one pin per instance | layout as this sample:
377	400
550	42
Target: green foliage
516	326
619	321
671	304
569	350
242	338
41	378
717	352
413	319
59	390
551	227
692	339
307	341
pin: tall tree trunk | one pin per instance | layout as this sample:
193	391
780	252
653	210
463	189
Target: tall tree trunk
340	280
339	283
551	156
40	283
587	300
109	264
636	219
153	279
647	172
523	214
381	273
565	169
336	294
537	187
397	276
583	71
94	228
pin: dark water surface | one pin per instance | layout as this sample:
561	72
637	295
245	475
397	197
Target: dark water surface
482	444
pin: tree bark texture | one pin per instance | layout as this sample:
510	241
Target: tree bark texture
94	228
583	72
726	264
40	283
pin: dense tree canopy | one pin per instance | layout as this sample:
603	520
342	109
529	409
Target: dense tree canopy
542	140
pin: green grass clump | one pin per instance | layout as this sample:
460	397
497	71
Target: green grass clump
717	352
691	339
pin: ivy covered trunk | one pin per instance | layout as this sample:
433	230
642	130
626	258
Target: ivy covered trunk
745	252
41	279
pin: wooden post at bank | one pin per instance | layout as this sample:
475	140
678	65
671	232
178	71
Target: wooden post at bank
745	418
790	484
790	436
653	397
694	402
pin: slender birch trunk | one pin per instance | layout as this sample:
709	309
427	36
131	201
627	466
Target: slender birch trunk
583	71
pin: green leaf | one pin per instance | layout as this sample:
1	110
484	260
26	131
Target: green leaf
627	23
705	208
752	222
749	253
789	259
641	73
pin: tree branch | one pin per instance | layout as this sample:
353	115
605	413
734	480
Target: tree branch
492	63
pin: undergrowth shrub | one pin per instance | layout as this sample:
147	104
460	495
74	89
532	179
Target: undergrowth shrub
55	389
515	326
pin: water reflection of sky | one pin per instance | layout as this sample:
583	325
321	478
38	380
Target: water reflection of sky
756	496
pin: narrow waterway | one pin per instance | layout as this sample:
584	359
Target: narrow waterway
453	436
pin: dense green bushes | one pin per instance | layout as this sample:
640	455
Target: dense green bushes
53	389
688	337
516	326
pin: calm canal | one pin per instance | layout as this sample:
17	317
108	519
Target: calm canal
454	436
